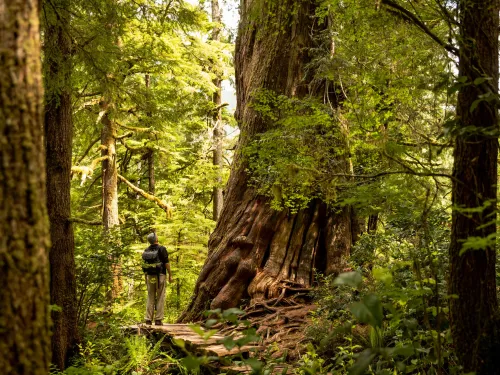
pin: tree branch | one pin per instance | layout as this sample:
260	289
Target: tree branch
386	173
417	22
86	222
87	150
128	134
162	204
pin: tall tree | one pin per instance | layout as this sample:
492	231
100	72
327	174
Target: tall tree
256	250
58	142
475	178
218	128
109	168
24	263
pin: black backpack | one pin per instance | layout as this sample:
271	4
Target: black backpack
151	263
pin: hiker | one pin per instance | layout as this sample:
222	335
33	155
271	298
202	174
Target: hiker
155	267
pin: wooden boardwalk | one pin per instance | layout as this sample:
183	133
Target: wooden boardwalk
193	341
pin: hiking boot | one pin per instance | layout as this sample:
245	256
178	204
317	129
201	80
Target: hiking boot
149	322
158	323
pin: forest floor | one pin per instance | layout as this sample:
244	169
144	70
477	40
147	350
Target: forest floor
279	323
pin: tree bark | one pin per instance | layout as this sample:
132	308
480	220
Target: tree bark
110	217
109	169
24	239
58	138
218	198
255	251
151	153
472	274
372	223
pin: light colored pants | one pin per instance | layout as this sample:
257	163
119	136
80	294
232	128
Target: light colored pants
156	293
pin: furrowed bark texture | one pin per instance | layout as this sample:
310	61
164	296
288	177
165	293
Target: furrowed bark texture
255	251
472	274
58	138
24	234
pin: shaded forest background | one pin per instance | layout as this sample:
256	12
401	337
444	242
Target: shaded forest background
358	177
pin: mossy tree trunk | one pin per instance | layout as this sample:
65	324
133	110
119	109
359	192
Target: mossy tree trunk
255	251
109	168
472	274
58	138
24	239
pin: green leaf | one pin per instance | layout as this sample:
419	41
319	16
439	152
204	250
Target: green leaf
228	342
480	80
405	351
209	333
383	275
364	360
197	329
211	322
474	105
353	279
369	310
191	363
233	311
255	364
180	343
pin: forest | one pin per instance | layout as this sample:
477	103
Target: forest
321	173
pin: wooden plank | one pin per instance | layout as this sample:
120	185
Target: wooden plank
194	342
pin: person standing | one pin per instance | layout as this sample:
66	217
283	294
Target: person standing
155	267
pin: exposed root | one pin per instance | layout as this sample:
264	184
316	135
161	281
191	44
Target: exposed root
280	322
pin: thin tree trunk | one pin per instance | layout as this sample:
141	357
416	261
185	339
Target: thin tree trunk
25	238
109	170
110	217
178	282
256	251
151	172
58	138
472	274
151	153
372	223
218	198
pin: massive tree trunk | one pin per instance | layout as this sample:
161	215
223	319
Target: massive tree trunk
58	137
472	274
24	239
256	251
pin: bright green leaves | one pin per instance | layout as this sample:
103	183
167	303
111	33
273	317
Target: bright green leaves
382	275
353	279
368	310
303	143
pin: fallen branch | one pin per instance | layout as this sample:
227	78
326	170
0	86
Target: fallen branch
162	204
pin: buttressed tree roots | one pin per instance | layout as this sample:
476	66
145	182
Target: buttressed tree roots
255	251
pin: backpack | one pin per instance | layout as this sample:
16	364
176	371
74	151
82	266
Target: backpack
151	264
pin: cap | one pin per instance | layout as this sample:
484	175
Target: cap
152	238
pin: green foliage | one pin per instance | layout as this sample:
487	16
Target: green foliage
400	308
148	67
